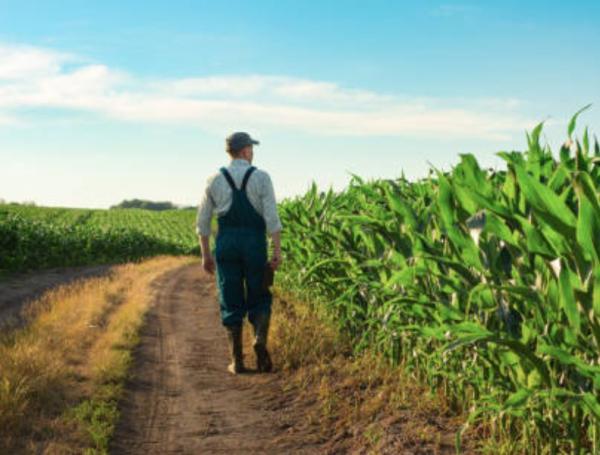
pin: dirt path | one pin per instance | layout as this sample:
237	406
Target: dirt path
182	400
18	290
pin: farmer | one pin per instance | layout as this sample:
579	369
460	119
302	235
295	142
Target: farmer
244	201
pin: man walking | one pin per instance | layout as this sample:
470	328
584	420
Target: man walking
244	201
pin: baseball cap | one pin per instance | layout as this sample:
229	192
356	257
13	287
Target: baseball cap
239	140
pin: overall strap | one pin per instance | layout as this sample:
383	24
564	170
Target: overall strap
246	177
227	176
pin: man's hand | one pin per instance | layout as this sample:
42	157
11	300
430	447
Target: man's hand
276	259
208	264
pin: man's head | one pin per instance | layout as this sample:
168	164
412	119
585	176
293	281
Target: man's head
239	145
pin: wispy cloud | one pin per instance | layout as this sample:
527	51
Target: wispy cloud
17	62
454	9
269	88
35	78
5	120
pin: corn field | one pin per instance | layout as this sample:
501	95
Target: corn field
40	237
484	284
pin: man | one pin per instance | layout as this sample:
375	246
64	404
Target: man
244	201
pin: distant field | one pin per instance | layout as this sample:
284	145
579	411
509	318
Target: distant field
39	237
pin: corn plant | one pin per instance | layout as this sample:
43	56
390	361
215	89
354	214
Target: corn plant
485	284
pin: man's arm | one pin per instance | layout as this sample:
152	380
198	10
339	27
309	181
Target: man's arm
272	221
203	228
208	262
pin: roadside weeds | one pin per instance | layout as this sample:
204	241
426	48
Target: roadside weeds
363	404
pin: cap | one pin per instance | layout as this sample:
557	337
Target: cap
239	140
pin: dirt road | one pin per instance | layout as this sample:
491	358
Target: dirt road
181	398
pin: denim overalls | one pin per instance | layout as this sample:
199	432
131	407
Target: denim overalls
241	255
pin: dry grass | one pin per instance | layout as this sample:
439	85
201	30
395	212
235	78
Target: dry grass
61	375
363	404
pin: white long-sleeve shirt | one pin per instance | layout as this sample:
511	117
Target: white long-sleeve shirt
217	197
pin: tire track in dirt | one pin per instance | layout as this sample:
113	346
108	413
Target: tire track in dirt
181	398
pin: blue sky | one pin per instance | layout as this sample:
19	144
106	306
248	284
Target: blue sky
101	101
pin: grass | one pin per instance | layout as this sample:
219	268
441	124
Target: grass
62	375
362	402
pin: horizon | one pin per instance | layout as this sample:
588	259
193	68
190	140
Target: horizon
181	206
106	102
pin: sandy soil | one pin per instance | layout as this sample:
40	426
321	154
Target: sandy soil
182	400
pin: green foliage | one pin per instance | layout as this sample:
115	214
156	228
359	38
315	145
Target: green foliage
98	418
483	284
39	237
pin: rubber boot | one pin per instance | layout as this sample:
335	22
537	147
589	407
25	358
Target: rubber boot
234	335
261	331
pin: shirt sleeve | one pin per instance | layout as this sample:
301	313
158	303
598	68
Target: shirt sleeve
205	212
269	204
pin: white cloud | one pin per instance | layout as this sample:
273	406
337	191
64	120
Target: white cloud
450	10
39	78
25	61
6	120
268	88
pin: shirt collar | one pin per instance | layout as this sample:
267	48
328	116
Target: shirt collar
240	162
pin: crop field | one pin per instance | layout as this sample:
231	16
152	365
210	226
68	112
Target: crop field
40	237
484	284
